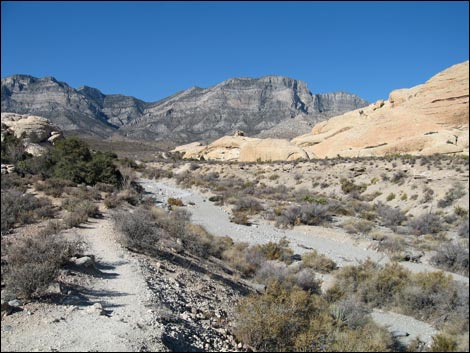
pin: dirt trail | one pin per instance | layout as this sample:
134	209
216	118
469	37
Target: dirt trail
118	286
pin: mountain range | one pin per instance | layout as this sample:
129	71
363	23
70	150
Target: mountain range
270	106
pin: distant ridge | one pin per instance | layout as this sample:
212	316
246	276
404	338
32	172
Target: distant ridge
271	106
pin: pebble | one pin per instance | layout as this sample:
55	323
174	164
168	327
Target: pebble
15	303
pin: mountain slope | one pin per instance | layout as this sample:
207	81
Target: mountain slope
274	106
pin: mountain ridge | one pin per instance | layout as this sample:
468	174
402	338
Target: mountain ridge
254	105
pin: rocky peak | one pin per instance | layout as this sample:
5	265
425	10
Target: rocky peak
92	93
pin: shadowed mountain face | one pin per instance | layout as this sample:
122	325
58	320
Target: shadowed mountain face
271	106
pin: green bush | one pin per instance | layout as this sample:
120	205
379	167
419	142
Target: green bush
73	161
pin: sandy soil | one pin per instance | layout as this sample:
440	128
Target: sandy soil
118	285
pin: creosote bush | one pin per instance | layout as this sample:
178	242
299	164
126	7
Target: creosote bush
318	262
290	319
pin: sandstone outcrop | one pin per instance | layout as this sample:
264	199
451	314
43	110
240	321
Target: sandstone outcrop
429	118
35	132
243	149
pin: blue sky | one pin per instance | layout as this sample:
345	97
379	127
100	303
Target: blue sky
153	49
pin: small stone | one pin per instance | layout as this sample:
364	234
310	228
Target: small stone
15	303
7	328
85	261
96	308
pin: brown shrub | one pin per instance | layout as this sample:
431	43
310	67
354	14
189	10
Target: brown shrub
33	262
318	262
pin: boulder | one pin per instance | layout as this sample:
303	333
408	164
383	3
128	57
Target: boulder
34	131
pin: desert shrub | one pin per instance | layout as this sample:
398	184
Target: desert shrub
290	319
390	217
370	283
248	204
54	187
240	218
84	206
314	214
398	177
197	241
22	208
442	342
14	181
52	227
391	245
103	187
390	196
451	257
428	195
357	226
112	201
454	193
428	296
84	193
347	186
75	218
33	262
236	256
369	338
463	229
272	271
318	262
130	196
175	202
427	223
137	227
288	217
350	312
306	279
273	321
276	251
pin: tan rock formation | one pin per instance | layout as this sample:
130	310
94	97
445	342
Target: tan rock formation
270	150
426	119
33	130
243	149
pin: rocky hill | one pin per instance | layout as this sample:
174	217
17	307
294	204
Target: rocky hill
272	106
426	119
429	118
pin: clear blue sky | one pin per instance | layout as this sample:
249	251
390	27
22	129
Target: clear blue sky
153	49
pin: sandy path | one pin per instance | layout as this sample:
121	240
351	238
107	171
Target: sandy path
120	288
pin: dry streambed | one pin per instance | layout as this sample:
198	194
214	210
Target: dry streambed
333	242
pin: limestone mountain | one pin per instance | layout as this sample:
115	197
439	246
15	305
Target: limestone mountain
271	106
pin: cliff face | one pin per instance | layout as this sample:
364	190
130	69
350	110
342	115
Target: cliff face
272	106
55	100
